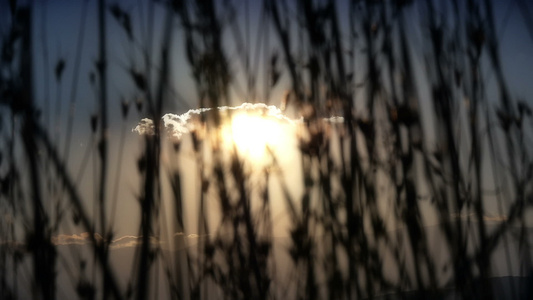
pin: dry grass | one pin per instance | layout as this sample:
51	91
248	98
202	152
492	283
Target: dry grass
421	142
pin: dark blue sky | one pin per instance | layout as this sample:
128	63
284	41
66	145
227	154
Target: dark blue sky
61	28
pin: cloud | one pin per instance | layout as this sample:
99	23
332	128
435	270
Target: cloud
130	241
334	120
495	218
127	241
486	218
11	244
75	239
146	126
178	125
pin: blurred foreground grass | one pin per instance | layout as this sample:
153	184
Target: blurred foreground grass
420	188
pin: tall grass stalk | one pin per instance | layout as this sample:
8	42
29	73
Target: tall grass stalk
394	200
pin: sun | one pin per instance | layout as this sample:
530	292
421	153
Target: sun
253	135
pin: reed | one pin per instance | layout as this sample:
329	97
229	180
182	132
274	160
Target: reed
412	190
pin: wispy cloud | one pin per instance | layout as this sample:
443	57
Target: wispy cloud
127	241
495	218
130	241
486	218
178	125
75	239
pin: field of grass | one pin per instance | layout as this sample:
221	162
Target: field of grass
272	149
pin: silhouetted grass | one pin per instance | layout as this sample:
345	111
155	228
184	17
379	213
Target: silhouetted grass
394	199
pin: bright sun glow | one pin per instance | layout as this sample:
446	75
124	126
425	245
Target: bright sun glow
252	134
